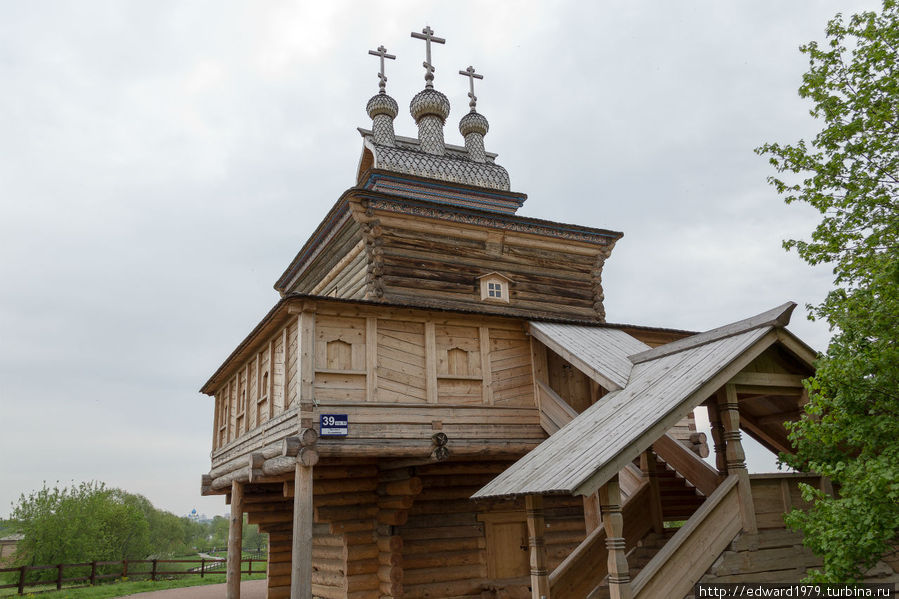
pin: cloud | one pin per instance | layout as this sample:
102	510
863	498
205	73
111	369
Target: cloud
163	163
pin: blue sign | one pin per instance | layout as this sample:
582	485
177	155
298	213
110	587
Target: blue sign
334	425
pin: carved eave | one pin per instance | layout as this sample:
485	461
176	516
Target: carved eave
374	202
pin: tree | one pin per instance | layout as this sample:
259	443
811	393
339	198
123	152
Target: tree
83	523
850	174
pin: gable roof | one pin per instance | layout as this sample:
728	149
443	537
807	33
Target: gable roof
663	386
600	353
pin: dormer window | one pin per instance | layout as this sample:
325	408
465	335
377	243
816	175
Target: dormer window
495	287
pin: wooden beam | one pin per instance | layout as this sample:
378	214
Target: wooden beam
537	545
649	467
768	379
797	348
687	464
301	561
235	540
754	428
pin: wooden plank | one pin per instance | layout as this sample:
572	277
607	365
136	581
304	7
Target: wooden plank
371	358
693	548
768	379
593	370
615	430
776	317
430	362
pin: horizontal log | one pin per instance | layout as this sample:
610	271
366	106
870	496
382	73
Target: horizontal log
390	574
345	512
393	517
397	502
409	486
390	544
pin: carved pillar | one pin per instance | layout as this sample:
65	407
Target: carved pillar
729	408
717	437
536	526
619	579
648	466
235	540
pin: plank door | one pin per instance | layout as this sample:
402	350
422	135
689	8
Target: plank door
508	555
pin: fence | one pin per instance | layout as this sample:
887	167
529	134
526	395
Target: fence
129	569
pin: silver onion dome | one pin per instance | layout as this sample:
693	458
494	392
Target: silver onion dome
473	122
382	104
429	102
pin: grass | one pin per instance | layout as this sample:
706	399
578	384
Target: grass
123	588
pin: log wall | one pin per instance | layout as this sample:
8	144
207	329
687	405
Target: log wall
439	262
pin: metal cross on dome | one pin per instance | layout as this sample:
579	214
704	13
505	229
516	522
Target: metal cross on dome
469	72
382	52
427	34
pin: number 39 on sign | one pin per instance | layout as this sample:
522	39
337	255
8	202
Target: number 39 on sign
334	425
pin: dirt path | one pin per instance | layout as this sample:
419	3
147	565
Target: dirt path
250	589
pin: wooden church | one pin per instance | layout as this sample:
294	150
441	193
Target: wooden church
436	407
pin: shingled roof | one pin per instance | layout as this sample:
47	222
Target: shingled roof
661	386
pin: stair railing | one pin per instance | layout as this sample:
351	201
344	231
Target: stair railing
586	566
694	547
686	463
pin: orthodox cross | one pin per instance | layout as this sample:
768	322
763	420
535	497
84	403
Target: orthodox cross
427	34
382	52
469	72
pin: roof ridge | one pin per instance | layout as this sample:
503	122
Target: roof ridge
775	317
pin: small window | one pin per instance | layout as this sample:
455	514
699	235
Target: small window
495	287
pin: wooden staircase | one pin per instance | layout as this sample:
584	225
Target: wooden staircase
679	498
637	559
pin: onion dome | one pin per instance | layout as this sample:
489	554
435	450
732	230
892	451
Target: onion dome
430	108
382	109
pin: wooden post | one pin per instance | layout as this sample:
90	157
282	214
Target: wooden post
592	513
612	520
235	540
717	437
93	573
537	544
59	576
648	466
202	567
729	408
301	567
22	571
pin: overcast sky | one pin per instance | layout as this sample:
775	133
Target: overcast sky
162	162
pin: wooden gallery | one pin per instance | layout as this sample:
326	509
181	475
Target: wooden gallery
437	408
